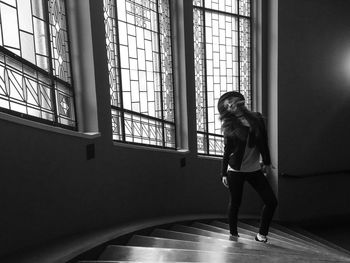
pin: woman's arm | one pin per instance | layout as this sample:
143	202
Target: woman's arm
227	151
265	151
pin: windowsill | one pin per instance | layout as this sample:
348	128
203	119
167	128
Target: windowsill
209	157
42	126
149	148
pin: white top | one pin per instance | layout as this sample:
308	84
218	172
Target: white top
251	157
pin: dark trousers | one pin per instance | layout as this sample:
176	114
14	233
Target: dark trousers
259	182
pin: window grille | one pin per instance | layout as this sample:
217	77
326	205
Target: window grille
139	51
35	70
222	59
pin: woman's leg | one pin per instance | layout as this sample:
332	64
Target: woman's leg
235	183
259	182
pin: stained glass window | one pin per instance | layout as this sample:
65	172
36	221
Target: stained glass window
35	72
222	58
139	51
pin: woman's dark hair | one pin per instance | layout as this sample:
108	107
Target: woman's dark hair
232	126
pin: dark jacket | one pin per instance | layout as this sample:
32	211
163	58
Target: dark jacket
235	147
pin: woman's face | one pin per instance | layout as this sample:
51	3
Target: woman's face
233	104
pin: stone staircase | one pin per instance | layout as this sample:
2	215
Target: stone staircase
211	242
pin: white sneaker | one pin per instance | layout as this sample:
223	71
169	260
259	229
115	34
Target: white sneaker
261	238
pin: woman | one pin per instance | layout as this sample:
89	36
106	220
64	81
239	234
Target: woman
245	140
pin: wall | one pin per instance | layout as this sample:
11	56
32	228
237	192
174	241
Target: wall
313	107
48	189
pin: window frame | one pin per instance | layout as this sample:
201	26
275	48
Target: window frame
121	109
7	54
252	100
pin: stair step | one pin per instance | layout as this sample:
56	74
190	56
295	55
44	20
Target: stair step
250	232
272	231
215	241
219	230
171	234
303	234
274	240
225	226
274	237
198	231
147	241
128	253
331	248
314	247
186	229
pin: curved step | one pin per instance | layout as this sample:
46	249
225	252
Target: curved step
198	231
331	248
211	242
296	231
251	232
220	230
124	253
146	241
215	241
275	236
273	240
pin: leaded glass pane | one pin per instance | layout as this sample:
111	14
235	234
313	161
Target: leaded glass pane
9	25
199	71
24	90
59	40
117	125
37	32
166	60
140	77
198	2
169	135
216	145
143	130
221	63
139	50
229	6
245	59
201	143
244	7
24	31
65	105
111	45
10	2
222	53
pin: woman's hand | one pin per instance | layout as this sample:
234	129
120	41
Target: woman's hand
267	169
224	181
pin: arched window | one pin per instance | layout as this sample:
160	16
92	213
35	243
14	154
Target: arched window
222	53
35	71
139	50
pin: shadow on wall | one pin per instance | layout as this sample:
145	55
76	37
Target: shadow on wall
318	200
